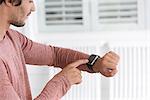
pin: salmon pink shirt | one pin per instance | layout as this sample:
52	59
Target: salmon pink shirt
16	50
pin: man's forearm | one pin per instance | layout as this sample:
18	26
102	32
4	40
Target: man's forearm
65	56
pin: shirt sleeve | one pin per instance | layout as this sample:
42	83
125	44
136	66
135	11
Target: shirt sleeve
55	89
40	54
7	91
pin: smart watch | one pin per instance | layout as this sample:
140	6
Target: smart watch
92	59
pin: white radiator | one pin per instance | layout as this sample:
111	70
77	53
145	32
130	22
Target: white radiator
131	82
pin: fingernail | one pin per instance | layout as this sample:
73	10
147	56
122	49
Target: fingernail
110	70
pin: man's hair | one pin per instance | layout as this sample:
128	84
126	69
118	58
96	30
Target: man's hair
14	2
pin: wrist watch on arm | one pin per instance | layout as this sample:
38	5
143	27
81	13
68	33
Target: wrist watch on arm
92	59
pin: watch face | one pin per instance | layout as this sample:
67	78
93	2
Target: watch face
91	58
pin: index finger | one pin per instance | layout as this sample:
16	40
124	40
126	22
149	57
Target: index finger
78	63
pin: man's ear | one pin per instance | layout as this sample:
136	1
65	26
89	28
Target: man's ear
12	3
9	3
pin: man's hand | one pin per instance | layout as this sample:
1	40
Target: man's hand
72	73
107	65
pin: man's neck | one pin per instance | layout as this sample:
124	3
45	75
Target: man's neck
4	25
3	28
2	34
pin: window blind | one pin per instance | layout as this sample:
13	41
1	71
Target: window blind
63	12
117	11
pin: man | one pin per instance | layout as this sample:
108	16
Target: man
16	50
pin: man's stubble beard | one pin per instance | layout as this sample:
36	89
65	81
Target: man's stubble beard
17	22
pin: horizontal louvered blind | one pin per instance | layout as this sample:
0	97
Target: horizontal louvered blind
117	11
63	12
87	15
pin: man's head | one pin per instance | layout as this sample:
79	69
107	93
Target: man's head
17	11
